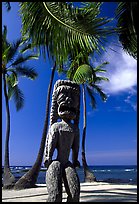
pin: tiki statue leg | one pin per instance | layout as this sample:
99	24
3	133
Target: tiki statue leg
54	182
72	183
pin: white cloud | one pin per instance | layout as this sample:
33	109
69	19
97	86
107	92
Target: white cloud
131	102
121	71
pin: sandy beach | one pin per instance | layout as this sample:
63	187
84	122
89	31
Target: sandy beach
90	192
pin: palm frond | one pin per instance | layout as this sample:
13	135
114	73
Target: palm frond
18	97
26	47
13	50
5	43
100	78
91	95
10	89
5	51
12	79
126	14
8	6
21	59
100	92
9	49
59	28
75	62
15	93
83	74
4	33
26	71
98	68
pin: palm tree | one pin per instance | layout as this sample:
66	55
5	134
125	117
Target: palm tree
12	68
86	75
59	29
126	14
88	175
91	89
29	179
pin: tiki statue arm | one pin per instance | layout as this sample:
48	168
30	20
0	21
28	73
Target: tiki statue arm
50	146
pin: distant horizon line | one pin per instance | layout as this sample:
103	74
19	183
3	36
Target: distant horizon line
82	166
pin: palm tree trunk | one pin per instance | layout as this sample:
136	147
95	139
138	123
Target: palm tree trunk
29	179
84	129
89	176
8	178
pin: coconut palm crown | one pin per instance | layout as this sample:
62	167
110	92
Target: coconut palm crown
13	67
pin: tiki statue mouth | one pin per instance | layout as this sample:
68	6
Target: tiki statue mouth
67	111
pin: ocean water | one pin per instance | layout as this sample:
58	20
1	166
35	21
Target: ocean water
112	174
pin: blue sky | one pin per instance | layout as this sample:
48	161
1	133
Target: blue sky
111	128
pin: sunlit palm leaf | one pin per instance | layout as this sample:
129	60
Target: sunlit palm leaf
80	59
83	74
59	29
89	75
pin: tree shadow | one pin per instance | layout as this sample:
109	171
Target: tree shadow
109	195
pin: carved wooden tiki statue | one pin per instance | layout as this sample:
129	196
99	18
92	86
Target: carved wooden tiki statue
63	135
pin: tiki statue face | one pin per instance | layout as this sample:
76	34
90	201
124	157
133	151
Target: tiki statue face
68	97
67	103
